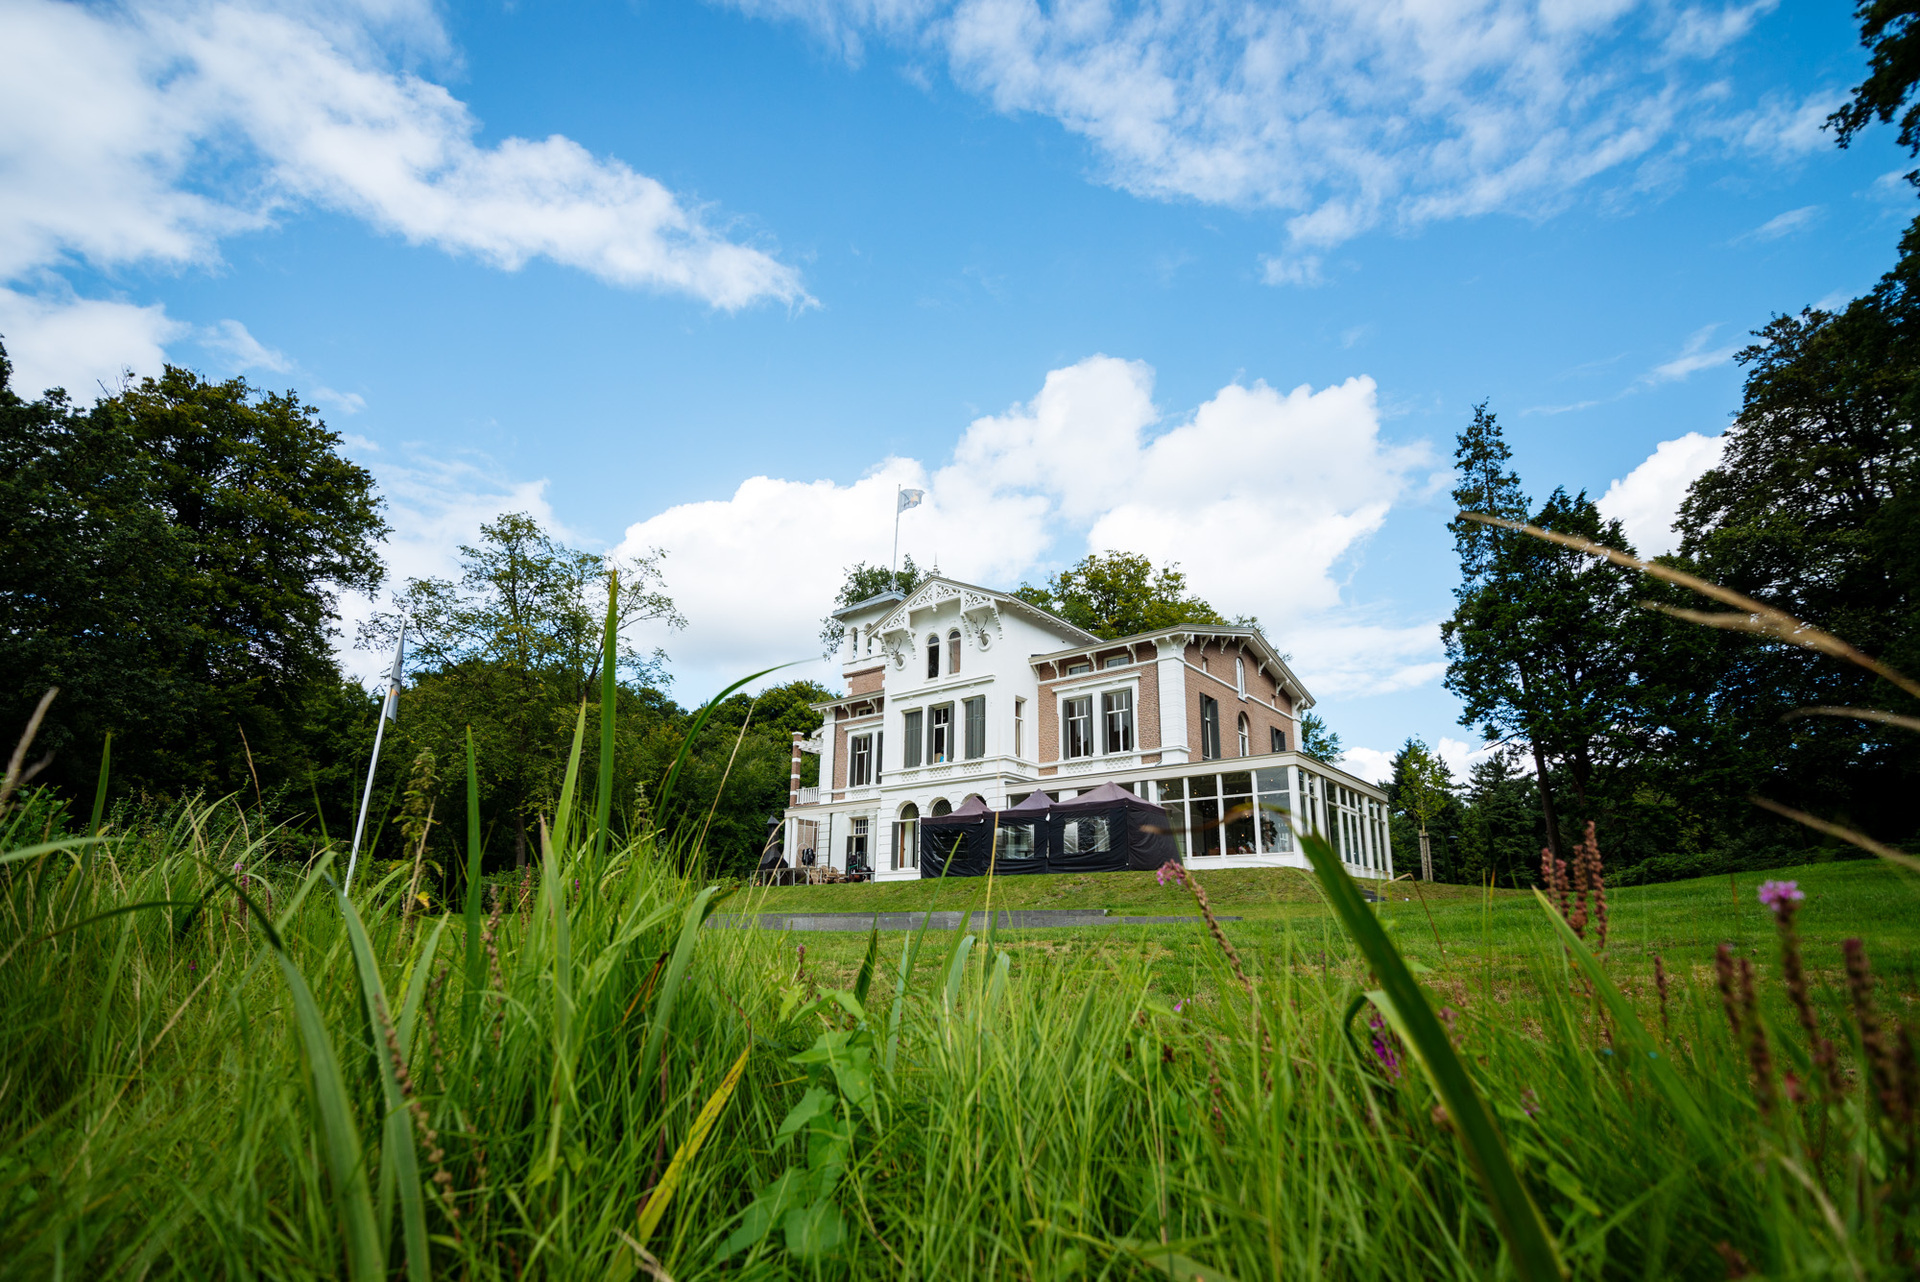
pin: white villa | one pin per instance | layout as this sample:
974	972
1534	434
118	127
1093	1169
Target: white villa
957	691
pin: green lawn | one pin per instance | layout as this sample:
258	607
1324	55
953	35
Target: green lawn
1283	914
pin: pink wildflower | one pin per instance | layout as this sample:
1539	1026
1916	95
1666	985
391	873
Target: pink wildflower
1777	895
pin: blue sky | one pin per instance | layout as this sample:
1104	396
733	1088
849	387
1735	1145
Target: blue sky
1214	282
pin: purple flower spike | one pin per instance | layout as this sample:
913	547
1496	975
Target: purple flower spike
1777	895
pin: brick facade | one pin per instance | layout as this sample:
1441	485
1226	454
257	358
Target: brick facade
868	681
1210	672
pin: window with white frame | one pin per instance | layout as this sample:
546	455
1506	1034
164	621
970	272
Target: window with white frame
933	656
1277	739
859	760
1246	737
1076	669
1117	661
1240	677
857	844
940	734
1209	727
953	651
1116	716
1076	727
976	716
1019	727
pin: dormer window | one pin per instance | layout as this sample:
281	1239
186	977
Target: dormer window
953	651
933	656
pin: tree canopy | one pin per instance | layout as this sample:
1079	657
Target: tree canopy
1117	594
172	560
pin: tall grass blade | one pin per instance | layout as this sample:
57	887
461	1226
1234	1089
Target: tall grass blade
1627	1028
609	691
476	962
669	990
399	1163
100	788
339	1138
1529	1244
563	813
663	1192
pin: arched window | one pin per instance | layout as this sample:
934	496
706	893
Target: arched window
1246	737
1240	677
953	651
906	841
940	807
933	656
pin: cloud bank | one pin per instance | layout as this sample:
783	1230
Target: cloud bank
1259	494
1646	500
146	134
1352	114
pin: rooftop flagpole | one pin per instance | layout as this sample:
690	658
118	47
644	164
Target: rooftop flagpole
902	500
389	711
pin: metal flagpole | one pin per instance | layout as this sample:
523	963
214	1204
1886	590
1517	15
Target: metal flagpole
389	710
893	567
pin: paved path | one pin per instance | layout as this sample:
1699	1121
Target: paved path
1011	919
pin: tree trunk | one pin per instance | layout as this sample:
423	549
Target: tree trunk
1546	800
1426	857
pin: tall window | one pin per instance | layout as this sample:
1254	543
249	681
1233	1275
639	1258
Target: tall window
1076	727
1278	738
940	734
1116	714
933	656
906	838
953	651
1209	728
1246	737
976	710
857	845
1019	727
859	761
1240	677
911	739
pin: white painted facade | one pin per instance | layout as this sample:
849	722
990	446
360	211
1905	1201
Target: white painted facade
958	691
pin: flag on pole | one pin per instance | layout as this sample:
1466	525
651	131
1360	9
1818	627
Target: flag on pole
909	498
392	709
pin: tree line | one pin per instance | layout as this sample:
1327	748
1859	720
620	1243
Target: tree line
1660	731
172	562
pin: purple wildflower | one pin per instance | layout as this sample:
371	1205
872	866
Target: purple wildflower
1776	895
1383	1047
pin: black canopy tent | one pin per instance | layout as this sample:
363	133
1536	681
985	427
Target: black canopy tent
963	838
1107	829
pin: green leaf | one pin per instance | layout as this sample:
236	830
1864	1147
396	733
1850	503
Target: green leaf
669	991
1529	1245
397	1153
476	965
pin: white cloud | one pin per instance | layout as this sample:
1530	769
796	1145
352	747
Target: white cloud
1351	114
1370	764
146	135
82	344
243	351
1260	495
1694	356
345	402
1646	500
1779	225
